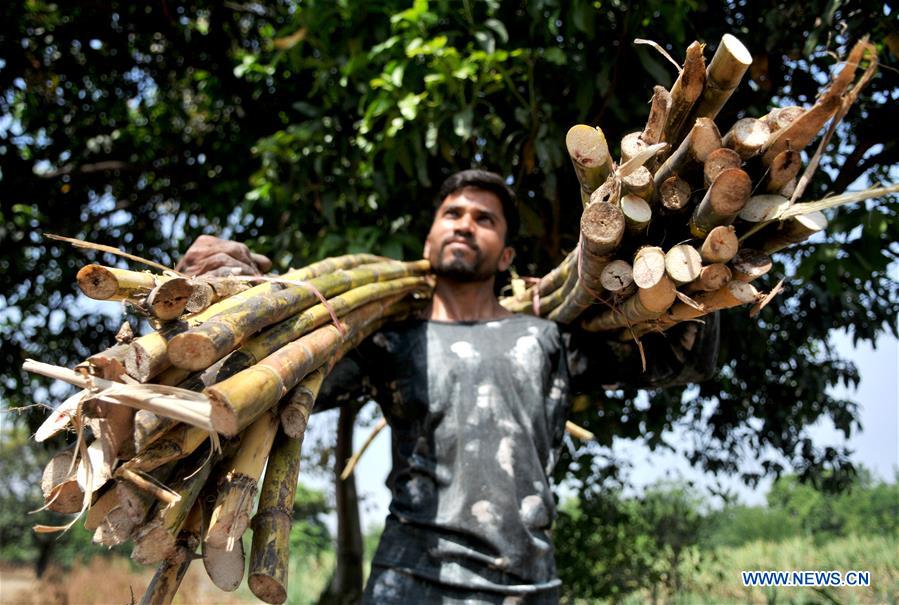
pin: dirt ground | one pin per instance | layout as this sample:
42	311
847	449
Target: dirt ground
104	581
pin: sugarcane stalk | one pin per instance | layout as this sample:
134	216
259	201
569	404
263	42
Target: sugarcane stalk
62	494
786	233
155	540
206	292
640	183
648	266
99	509
240	399
720	245
275	337
168	300
831	104
295	413
637	214
674	194
178	442
644	305
702	140
110	283
749	265
134	500
761	208
781	117
590	156
687	89
722	202
658	116
711	277
268	573
200	347
747	137
578	432
148	354
617	277
734	294
783	169
632	144
683	264
148	427
231	514
108	364
602	228
170	573
726	69
550	282
718	161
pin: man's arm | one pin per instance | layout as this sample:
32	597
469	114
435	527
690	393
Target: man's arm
687	353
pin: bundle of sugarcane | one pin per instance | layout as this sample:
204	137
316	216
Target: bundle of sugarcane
175	427
689	217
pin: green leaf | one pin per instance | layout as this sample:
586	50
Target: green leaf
555	56
497	26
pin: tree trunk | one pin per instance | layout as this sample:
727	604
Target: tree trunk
345	587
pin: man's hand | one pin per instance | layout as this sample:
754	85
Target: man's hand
212	256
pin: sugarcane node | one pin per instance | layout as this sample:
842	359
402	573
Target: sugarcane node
169	299
760	208
674	193
617	276
718	161
602	227
749	264
237	400
747	136
726	69
649	266
640	183
683	263
720	245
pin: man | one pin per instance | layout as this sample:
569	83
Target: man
477	399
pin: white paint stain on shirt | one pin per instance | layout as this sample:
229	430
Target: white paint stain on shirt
505	455
464	350
485	512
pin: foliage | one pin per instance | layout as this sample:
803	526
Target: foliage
667	544
314	128
608	546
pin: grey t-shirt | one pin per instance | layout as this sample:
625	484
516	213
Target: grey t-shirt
477	411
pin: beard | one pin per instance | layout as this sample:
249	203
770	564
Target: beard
462	268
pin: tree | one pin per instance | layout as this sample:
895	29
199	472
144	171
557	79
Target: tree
314	129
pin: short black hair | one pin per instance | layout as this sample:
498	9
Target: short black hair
488	181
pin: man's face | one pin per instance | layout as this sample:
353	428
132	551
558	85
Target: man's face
466	242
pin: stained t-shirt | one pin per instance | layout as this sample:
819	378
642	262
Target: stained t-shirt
477	412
